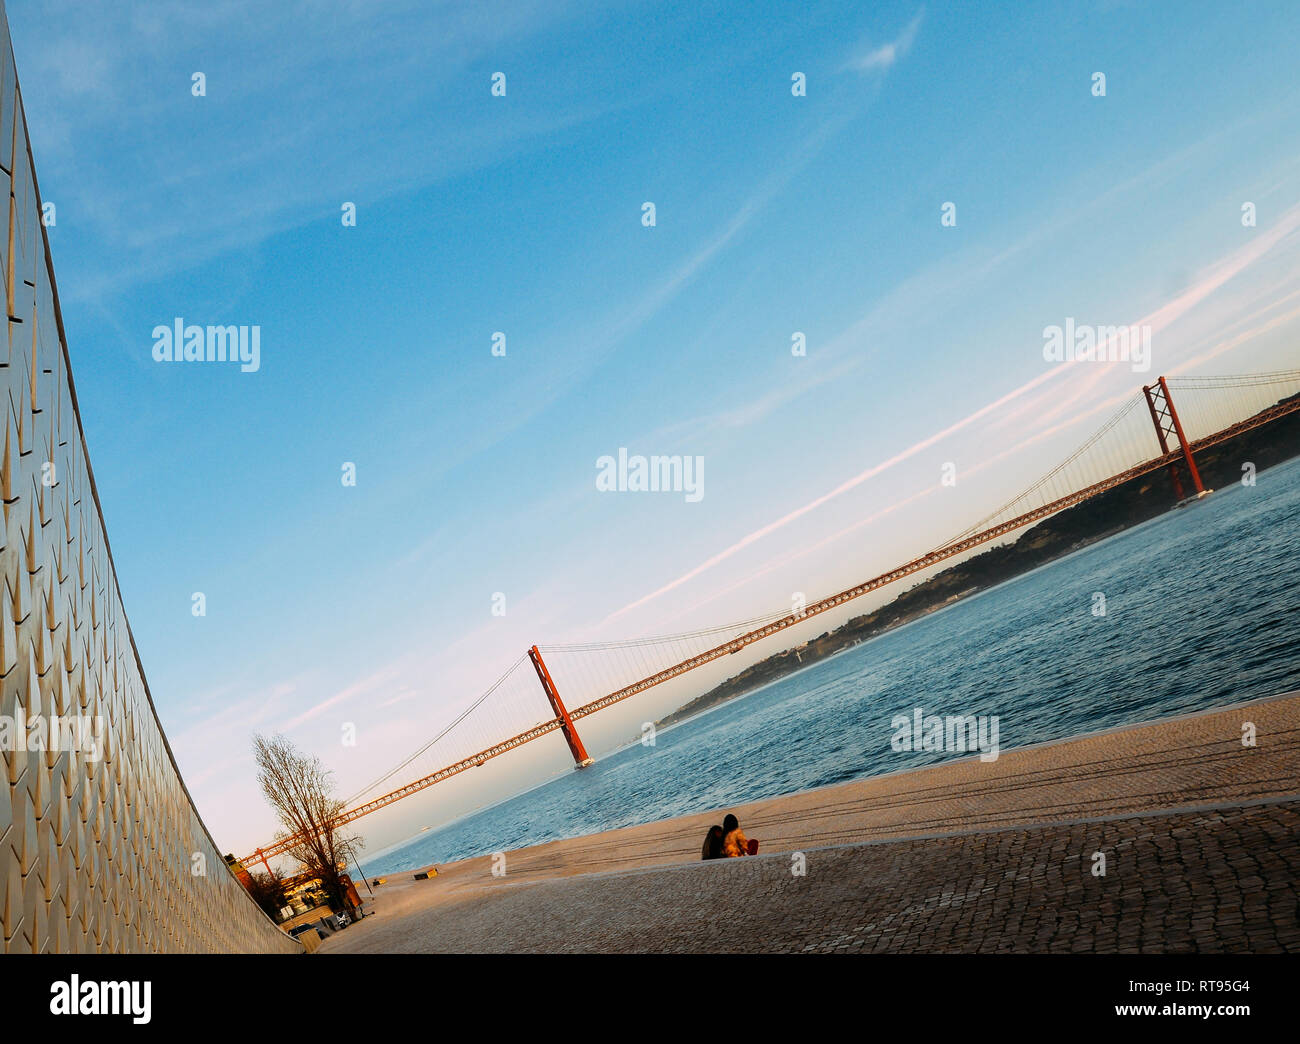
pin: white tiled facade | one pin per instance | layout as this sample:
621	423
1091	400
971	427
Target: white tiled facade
95	856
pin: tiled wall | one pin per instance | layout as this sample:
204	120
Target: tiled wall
95	855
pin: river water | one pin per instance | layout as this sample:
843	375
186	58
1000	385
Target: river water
1201	610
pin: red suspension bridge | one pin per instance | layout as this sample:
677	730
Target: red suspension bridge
1211	410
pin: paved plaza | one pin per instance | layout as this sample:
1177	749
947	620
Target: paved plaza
1167	837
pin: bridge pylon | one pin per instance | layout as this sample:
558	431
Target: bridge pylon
1165	418
571	737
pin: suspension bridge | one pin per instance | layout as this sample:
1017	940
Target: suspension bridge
1210	411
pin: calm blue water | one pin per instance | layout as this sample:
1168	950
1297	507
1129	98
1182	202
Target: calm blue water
1201	610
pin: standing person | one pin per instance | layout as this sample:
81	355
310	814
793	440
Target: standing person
734	841
713	843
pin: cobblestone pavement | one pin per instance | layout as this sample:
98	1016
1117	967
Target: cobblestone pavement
1198	829
1215	881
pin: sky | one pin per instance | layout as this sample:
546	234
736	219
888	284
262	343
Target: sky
776	213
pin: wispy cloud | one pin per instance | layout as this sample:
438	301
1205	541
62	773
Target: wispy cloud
883	57
275	143
1052	403
368	684
1215	277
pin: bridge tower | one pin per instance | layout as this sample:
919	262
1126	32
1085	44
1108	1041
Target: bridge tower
1165	418
571	737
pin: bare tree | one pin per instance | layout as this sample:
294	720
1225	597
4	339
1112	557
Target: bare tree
267	891
301	791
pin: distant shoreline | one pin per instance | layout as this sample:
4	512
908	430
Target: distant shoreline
1108	514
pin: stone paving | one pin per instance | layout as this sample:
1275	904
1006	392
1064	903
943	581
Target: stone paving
1200	837
1213	881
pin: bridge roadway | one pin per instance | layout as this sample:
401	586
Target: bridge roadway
1201	836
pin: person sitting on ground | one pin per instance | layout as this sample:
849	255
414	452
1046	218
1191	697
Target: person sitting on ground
713	843
734	841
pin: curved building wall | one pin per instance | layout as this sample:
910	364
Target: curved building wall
101	848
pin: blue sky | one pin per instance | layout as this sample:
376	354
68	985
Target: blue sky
774	214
